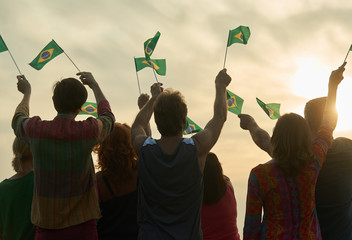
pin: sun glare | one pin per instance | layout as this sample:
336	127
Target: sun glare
311	81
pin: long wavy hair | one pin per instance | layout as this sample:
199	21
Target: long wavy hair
291	142
214	181
116	157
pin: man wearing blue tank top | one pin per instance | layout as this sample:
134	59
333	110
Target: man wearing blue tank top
170	169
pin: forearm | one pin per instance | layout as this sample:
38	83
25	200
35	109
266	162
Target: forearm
99	96
220	109
144	115
23	106
330	114
261	138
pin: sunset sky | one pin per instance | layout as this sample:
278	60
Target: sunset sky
293	48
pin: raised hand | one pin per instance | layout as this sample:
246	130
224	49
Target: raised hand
23	85
223	78
87	79
337	75
142	100
156	89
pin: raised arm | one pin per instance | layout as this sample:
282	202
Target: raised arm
141	122
335	79
105	118
88	79
259	136
142	100
207	138
22	110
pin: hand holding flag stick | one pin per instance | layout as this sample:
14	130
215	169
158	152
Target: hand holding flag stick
4	48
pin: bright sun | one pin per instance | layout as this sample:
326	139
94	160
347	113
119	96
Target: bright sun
311	81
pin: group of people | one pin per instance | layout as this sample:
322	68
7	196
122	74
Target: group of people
172	187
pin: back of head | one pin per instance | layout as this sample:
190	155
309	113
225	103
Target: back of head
291	142
214	182
116	157
313	113
22	152
170	111
69	95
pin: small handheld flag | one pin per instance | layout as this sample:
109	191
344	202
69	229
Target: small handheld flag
158	64
48	53
271	109
4	48
89	108
234	102
191	127
150	44
240	34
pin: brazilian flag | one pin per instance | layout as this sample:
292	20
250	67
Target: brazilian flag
158	64
47	54
150	44
239	35
3	46
191	127
89	108
271	109
234	102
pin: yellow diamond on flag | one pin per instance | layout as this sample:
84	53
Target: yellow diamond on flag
239	36
46	55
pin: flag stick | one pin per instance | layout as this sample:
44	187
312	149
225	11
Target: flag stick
225	56
226	48
14	61
72	62
347	54
139	87
155	74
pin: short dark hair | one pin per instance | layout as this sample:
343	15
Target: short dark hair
213	179
291	143
313	113
170	111
69	95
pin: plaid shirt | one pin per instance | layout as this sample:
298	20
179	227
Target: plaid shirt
65	192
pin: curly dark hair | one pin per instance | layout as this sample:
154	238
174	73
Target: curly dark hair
116	157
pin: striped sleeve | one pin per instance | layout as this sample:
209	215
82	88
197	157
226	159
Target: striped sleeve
106	119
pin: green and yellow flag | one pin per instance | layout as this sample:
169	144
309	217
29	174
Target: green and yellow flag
47	54
271	109
234	102
89	108
150	44
158	64
239	35
3	46
191	127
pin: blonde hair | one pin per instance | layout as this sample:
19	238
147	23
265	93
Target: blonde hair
21	151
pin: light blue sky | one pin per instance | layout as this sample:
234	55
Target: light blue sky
293	47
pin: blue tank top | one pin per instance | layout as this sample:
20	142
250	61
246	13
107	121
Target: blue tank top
170	192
